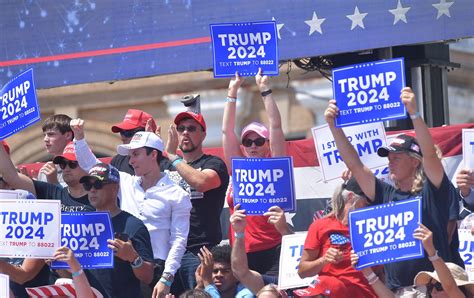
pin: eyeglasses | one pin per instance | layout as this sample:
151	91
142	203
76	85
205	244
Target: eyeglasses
258	142
97	185
129	133
71	163
190	128
437	285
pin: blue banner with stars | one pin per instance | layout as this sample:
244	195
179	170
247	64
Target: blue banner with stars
384	233
244	47
369	92
74	42
260	183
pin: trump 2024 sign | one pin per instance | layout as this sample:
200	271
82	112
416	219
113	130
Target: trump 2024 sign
369	92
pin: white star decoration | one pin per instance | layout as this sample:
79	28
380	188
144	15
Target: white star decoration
357	18
399	13
315	24
279	26
443	8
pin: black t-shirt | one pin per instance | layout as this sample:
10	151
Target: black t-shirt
121	162
41	279
205	226
50	191
121	281
435	203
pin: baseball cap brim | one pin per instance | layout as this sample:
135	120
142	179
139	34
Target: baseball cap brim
124	149
124	126
60	158
188	115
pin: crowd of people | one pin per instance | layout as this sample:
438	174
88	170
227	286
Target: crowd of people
165	206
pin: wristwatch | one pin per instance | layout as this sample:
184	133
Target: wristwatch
168	276
137	263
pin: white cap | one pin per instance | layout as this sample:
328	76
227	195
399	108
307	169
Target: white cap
139	140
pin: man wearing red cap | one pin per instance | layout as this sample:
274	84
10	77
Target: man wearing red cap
73	197
205	178
134	121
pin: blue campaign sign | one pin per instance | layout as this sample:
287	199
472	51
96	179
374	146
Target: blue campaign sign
19	107
260	183
369	92
86	233
384	233
244	47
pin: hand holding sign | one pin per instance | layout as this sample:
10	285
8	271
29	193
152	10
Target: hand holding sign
331	112
262	81
234	85
465	181
426	236
237	220
123	249
64	254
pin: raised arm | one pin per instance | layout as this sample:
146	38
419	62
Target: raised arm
431	162
230	141
365	178
81	284
201	180
11	175
277	137
444	274
84	155
24	273
239	262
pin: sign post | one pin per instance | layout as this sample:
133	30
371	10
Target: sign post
19	106
86	233
369	92
29	228
384	233
260	183
292	247
244	47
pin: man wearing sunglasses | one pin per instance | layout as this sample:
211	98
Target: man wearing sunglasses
150	196
73	197
133	256
133	122
205	178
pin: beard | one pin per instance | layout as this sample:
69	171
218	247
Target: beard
187	149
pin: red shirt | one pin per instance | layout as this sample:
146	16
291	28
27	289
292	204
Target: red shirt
323	234
259	234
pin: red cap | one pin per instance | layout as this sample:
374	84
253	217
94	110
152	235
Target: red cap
132	120
191	115
69	153
328	286
5	145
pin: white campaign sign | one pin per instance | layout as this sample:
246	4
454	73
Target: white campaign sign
468	147
366	139
290	255
29	228
466	250
4	286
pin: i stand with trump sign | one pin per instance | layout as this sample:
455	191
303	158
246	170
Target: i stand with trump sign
383	233
260	183
29	228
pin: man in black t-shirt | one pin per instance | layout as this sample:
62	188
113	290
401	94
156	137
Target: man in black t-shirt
134	121
205	178
416	170
131	246
73	197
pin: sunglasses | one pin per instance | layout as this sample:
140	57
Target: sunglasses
129	133
71	163
97	185
258	142
437	285
190	128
